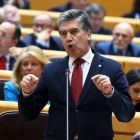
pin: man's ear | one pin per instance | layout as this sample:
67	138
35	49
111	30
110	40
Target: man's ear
15	41
88	35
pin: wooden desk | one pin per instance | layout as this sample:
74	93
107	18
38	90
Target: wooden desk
123	131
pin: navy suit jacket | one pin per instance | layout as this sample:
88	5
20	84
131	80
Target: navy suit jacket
12	62
62	8
107	48
92	115
26	4
55	43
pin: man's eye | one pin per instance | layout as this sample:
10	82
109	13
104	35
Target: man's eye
63	34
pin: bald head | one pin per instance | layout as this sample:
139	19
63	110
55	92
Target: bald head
123	34
42	22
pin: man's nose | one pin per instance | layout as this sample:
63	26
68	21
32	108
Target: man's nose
69	37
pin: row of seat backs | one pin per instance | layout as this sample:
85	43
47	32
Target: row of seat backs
13	128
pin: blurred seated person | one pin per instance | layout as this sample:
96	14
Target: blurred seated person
21	4
121	44
133	78
30	61
71	4
41	37
9	36
96	13
10	12
135	13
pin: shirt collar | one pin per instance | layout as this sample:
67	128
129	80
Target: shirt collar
87	57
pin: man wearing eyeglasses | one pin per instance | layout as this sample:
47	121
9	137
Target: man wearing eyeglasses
96	13
41	37
9	35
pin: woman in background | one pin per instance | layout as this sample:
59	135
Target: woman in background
30	61
133	78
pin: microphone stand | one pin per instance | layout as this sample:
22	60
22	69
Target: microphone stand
67	103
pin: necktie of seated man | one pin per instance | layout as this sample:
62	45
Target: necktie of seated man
2	63
77	84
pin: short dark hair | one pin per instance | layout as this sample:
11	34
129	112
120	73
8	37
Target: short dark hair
94	8
133	76
17	32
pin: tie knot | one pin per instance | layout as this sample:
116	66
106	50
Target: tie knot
79	61
3	59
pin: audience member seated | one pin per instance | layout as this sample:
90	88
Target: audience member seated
136	136
30	61
10	12
133	78
96	13
72	4
22	4
9	36
135	13
121	44
42	26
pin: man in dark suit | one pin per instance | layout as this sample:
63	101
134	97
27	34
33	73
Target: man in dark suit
121	44
96	13
9	36
72	4
43	26
22	4
97	87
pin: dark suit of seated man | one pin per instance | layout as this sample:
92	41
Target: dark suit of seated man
43	26
9	36
97	87
121	43
72	4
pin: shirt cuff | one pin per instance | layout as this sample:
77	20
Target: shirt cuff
25	94
109	96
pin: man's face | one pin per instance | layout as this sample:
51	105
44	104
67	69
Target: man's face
79	4
122	37
11	13
74	40
96	21
6	37
42	22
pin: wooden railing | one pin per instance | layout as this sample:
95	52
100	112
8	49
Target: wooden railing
123	131
94	37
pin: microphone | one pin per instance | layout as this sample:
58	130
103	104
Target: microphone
67	103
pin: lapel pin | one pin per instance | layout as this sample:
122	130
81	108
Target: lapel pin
99	66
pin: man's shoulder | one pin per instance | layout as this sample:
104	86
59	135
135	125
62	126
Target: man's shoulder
61	8
106	31
104	44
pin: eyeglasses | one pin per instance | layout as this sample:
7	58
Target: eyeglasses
5	35
43	26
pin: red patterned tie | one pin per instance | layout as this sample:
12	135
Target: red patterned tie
77	80
2	63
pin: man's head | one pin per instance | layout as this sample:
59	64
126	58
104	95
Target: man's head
9	35
123	34
75	31
79	4
96	13
10	12
42	22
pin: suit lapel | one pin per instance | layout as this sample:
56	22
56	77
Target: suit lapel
12	62
95	69
61	73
